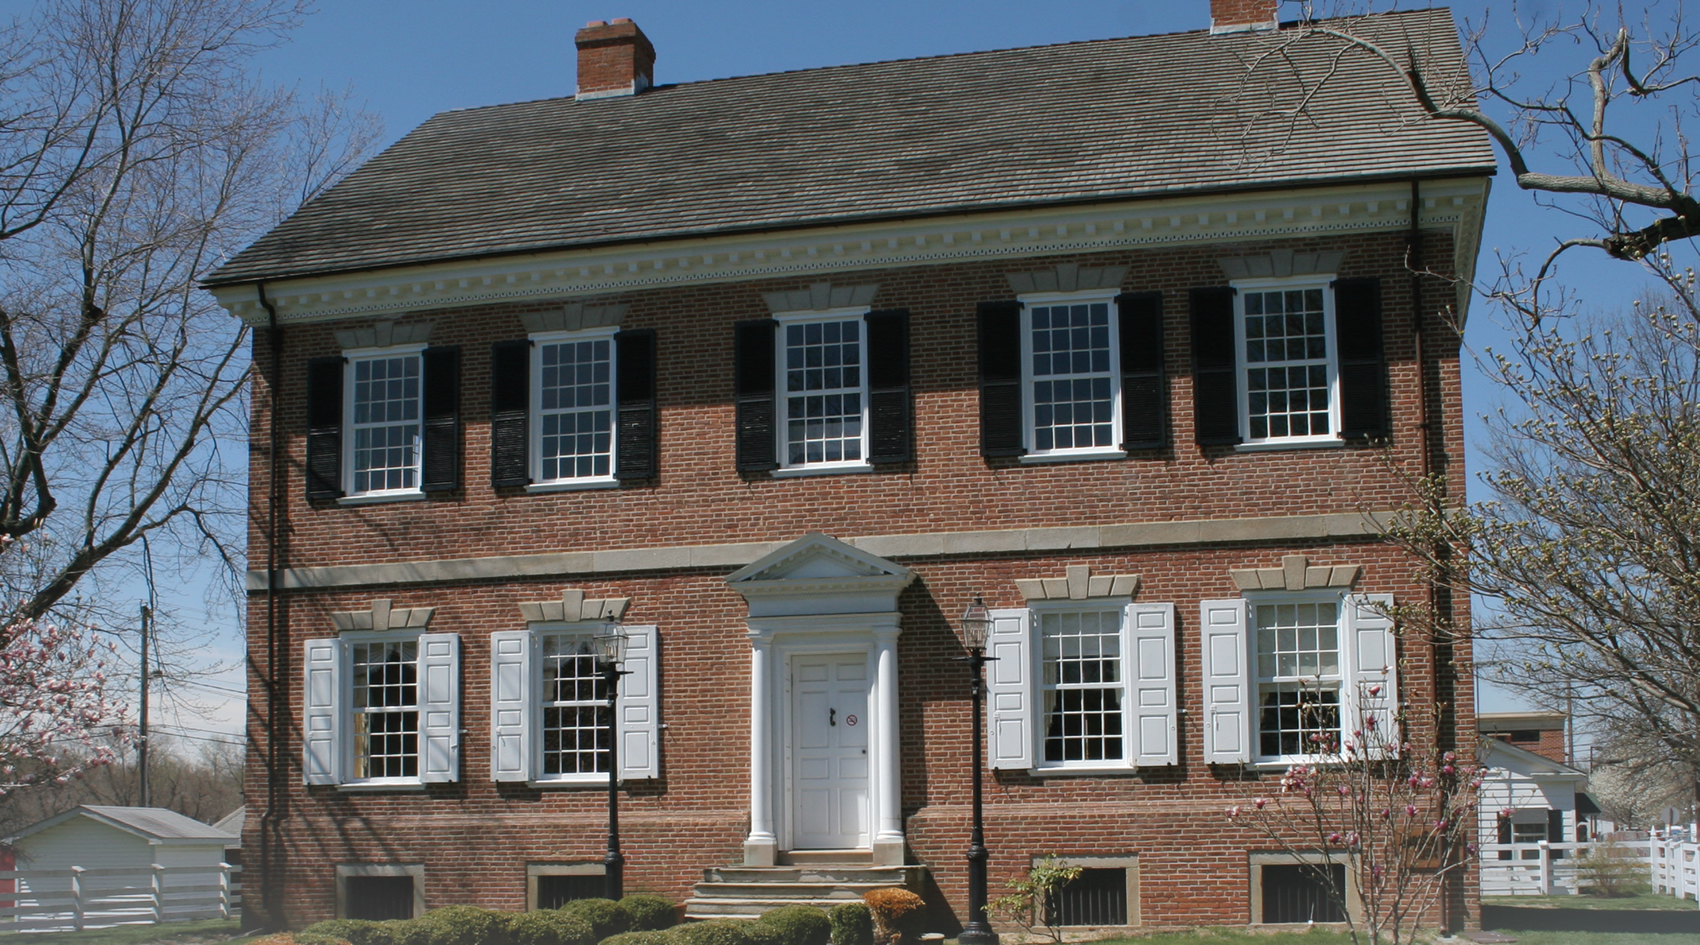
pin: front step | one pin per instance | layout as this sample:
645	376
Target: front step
745	892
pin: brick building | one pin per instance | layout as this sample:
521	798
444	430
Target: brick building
782	372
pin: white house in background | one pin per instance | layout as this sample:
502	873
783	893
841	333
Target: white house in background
231	823
101	837
1526	798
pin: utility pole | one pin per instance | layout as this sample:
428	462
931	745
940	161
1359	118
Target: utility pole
142	727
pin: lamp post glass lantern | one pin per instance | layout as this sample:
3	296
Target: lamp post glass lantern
976	627
610	646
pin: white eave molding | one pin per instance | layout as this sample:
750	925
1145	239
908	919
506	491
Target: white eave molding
1456	204
818	574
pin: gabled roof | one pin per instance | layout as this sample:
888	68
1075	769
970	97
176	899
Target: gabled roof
1506	756
1091	121
155	824
233	822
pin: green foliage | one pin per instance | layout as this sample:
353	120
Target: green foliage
666	937
305	937
761	933
408	932
1025	903
649	913
852	924
605	916
464	925
353	931
712	932
799	925
549	927
1612	870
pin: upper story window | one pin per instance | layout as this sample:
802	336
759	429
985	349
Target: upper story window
381	708
1285	337
383	423
825	396
574	393
1072	378
384	414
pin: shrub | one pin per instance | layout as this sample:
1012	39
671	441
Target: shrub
1026	904
549	927
1610	869
898	914
852	924
464	925
799	925
644	938
761	933
605	916
304	937
353	931
712	932
407	932
649	913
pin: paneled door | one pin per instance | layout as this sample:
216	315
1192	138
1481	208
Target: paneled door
829	745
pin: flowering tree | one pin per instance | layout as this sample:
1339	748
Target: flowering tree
1400	821
57	717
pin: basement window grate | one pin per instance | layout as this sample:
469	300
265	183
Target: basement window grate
1097	897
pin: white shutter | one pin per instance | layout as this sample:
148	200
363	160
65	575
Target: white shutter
638	707
321	711
439	707
1373	689
513	705
1149	632
1227	682
1011	689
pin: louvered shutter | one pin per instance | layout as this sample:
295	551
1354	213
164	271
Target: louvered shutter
1011	689
324	428
439	707
1372	660
754	369
1227	682
639	707
1363	368
1215	372
440	451
1145	400
888	387
1149	630
1001	417
513	704
634	373
510	410
321	711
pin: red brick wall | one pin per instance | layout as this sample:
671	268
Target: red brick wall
1239	12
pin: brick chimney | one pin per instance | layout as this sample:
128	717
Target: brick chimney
1237	16
614	58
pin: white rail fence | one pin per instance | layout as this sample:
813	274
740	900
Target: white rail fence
1547	869
78	898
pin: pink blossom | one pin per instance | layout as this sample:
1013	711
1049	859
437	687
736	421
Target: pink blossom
1233	812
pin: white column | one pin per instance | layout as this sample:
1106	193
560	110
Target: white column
888	766
761	847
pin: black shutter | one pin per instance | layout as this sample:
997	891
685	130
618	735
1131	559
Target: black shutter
510	411
1504	834
1363	369
324	428
888	386
1145	400
1555	827
1215	374
758	409
439	463
634	369
1001	419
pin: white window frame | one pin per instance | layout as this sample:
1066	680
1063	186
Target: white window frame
583	629
782	444
351	437
1243	367
1028	429
350	758
534	446
1340	680
1127	669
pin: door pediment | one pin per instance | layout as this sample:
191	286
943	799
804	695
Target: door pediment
817	575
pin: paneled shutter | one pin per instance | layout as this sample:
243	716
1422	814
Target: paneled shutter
440	452
757	406
1227	682
1372	660
1215	372
510	411
634	374
1011	689
1001	417
513	704
639	706
1363	367
888	386
321	710
439	707
324	428
1145	400
1150	635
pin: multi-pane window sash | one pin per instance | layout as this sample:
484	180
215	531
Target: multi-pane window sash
384	411
574	407
825	392
1071	375
1299	675
1082	686
576	719
1286	348
386	709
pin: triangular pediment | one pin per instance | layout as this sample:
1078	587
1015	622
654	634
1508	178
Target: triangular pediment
817	557
818	574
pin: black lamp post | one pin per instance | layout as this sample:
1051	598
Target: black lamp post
610	654
976	625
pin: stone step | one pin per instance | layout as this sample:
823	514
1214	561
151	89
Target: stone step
748	908
827	857
884	875
828	890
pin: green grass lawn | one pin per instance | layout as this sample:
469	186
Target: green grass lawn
1664	903
1320	937
205	930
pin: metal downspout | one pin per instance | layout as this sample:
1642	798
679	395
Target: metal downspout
271	819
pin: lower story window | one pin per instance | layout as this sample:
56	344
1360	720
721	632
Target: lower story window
379	891
1097	897
575	708
1311	892
386	709
1082	685
553	892
1299	673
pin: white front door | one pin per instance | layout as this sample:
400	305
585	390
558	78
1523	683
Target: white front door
829	744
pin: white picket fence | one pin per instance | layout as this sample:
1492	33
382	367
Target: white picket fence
77	898
1549	869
